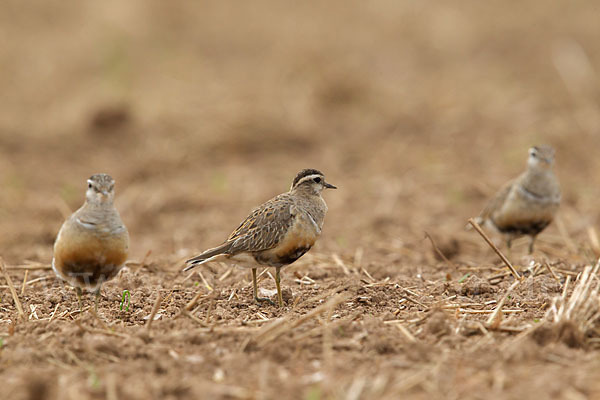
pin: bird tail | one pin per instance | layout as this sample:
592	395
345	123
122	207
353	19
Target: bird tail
207	255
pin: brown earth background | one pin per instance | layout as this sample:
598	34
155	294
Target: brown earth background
417	111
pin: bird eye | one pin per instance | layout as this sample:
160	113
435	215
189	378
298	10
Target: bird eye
317	180
89	185
532	153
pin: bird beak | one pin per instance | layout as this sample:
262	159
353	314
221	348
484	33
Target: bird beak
329	186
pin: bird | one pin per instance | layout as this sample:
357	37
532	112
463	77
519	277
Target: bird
92	244
526	205
278	232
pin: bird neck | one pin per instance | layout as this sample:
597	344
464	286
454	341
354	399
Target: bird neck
305	191
97	207
311	202
540	181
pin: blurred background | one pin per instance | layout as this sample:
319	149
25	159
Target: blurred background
417	111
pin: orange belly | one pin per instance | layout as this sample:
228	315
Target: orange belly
86	259
523	219
294	245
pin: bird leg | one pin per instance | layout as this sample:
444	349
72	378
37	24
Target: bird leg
96	298
255	289
532	240
277	280
79	293
509	240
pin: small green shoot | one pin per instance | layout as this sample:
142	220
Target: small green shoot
314	393
123	304
1	343
93	379
536	320
465	276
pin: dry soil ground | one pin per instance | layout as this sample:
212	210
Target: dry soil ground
418	111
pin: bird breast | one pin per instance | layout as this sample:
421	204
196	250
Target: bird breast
79	244
299	239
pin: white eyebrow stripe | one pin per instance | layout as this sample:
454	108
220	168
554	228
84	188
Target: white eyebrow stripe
308	178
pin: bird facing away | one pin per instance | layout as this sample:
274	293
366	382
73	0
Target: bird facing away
278	232
526	205
92	244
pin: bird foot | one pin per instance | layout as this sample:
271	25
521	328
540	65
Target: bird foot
260	300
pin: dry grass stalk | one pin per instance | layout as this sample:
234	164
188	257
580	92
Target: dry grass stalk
583	306
256	321
407	295
549	268
194	318
53	313
439	252
232	294
404	331
341	264
188	276
282	325
468	311
356	388
364	271
210	289
571	274
192	303
154	311
496	317
211	305
30	265
564	292
24	282
226	274
13	292
41	278
495	248
594	241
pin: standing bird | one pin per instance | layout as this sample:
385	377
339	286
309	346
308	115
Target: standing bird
92	244
527	204
278	232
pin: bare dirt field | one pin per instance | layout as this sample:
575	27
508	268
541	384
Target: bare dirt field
417	111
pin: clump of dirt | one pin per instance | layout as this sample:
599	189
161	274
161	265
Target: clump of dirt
475	286
438	324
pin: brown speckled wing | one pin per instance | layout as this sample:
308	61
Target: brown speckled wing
265	227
